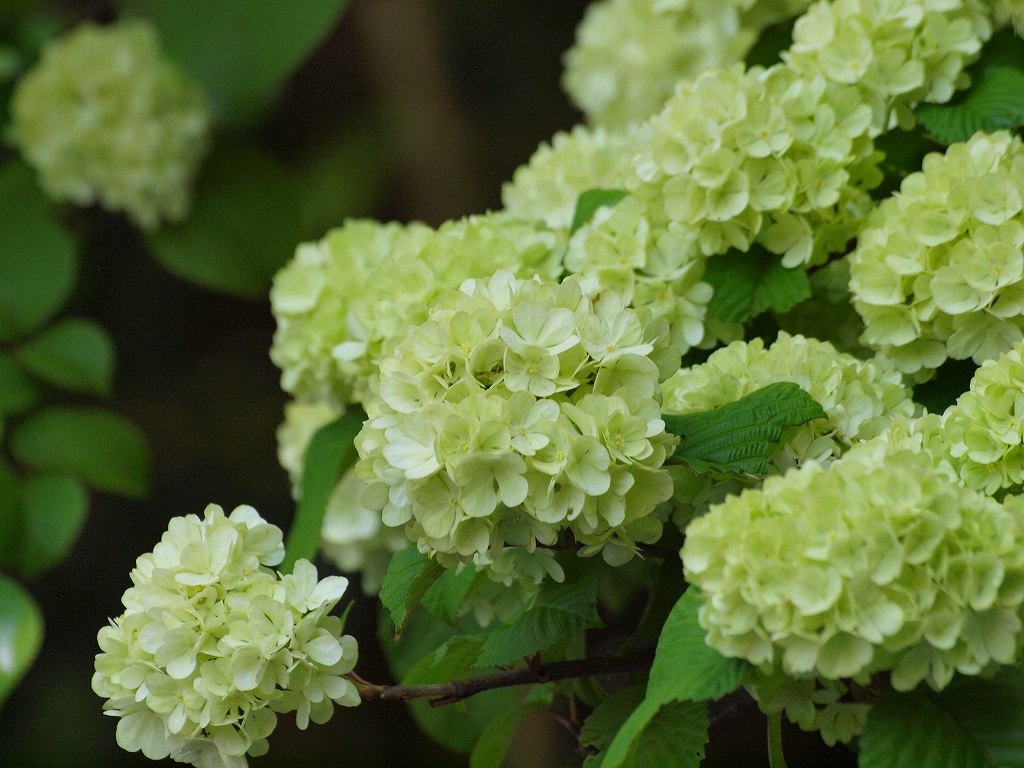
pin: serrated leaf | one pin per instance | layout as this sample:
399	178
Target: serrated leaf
102	448
17	392
244	224
53	511
590	201
37	258
749	284
995	100
489	750
444	597
21	634
410	574
654	736
685	667
329	454
558	612
74	354
604	722
740	436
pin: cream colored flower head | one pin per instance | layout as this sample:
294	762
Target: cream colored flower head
214	644
103	117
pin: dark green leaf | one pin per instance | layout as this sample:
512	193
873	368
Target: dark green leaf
445	596
685	667
74	354
21	633
410	574
239	51
590	201
773	40
749	284
17	392
740	436
104	449
37	258
329	454
653	736
995	100
604	722
558	612
490	748
53	511
244	225
10	516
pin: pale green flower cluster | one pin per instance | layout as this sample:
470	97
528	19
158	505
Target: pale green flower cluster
213	644
342	303
761	155
352	536
895	52
938	270
519	409
649	264
104	117
629	54
859	397
865	567
547	187
833	708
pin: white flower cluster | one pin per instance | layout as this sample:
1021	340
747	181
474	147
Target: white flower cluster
938	270
103	116
762	155
352	536
519	409
213	644
342	303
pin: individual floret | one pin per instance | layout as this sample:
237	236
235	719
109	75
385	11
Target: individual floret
104	117
213	644
938	271
761	155
519	409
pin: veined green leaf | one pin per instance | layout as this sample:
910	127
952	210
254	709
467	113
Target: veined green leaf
604	722
749	284
589	202
410	574
995	100
74	354
445	596
21	634
654	736
329	454
740	436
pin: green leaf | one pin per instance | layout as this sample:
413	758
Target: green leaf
445	596
410	574
244	225
239	51
740	436
329	454
74	354
685	667
53	509
37	258
604	722
490	748
590	201
17	392
654	736
995	100
749	284
773	41
10	516
104	449
558	612
21	634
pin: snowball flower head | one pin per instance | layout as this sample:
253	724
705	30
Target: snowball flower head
213	644
518	409
938	271
104	117
879	563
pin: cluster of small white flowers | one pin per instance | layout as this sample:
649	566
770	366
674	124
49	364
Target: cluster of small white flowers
938	270
629	54
859	397
103	116
352	536
519	409
764	155
213	644
342	303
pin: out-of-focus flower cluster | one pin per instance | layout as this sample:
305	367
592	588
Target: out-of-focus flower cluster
938	271
629	54
104	117
352	537
883	562
213	644
521	408
343	303
761	155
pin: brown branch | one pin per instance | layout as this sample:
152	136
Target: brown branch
457	690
